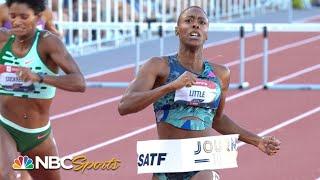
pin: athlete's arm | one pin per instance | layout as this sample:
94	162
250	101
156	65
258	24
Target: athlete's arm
55	51
141	92
224	125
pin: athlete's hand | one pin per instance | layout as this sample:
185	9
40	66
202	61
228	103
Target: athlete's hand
269	145
26	75
186	79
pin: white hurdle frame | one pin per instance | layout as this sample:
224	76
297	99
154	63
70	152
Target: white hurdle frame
161	27
242	83
79	37
294	27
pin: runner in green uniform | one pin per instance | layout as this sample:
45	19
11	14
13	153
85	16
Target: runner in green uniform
29	64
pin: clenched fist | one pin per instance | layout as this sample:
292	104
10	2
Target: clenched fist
186	79
269	145
26	75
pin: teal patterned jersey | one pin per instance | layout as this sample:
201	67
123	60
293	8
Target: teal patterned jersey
197	111
11	84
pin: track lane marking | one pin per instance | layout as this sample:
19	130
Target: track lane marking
233	97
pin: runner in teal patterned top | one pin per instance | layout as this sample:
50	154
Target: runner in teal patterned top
188	94
176	113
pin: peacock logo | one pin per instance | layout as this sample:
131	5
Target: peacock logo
23	162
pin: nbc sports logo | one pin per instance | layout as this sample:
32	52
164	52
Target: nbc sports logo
77	163
22	162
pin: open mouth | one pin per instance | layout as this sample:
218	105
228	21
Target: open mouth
194	34
17	29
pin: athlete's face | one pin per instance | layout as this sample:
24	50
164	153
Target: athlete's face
22	18
193	27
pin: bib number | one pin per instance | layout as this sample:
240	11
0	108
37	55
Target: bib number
11	82
203	93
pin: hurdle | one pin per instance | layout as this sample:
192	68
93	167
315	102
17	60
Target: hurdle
242	28
160	28
274	27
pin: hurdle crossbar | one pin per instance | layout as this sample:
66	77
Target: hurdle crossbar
161	27
99	84
273	27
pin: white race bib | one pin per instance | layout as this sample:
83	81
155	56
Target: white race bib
11	82
201	93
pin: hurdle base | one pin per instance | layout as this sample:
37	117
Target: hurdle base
291	86
243	85
95	84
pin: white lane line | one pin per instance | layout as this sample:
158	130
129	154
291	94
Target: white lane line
84	108
251	58
114	140
286	123
141	130
111	70
281	79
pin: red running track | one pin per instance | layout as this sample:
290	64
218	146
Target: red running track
93	119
